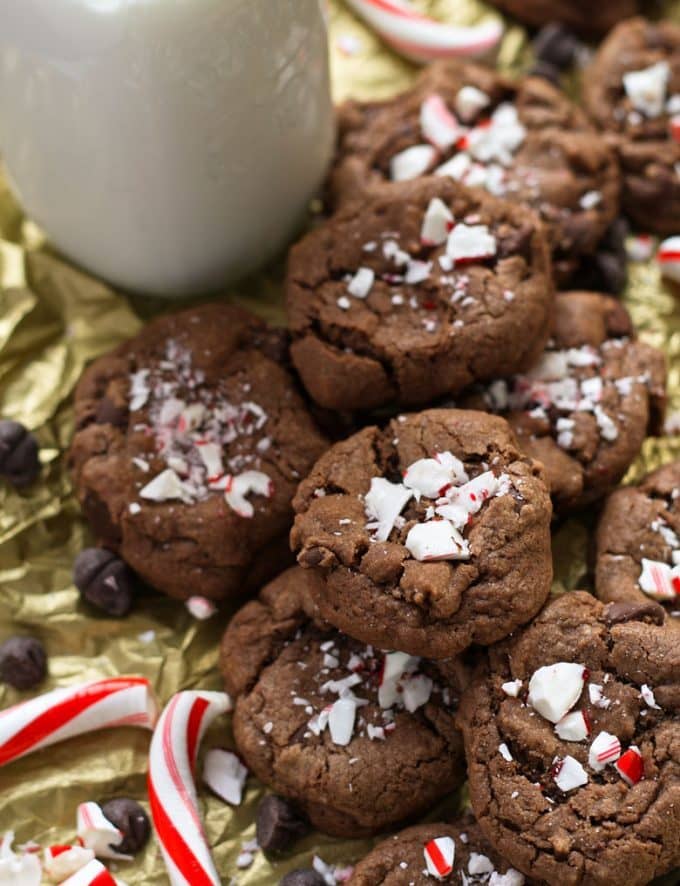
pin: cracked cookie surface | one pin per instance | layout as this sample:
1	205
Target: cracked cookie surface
571	735
190	440
460	555
360	740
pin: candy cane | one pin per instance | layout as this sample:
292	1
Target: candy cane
93	874
668	258
64	713
172	793
423	39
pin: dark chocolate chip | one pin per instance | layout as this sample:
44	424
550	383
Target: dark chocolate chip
306	877
557	45
278	824
618	613
131	819
547	71
19	463
104	580
108	413
23	662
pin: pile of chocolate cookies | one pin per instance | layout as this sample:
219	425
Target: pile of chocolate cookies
385	475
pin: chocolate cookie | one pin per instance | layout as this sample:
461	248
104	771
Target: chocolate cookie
638	544
448	853
571	737
190	440
427	536
583	16
417	292
632	92
587	405
521	139
359	739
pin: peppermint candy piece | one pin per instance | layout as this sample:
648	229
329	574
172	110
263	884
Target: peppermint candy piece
505	752
225	775
668	258
436	540
498	139
469	102
510	878
659	580
647	88
469	498
200	607
61	862
439	856
432	477
383	503
438	124
437	223
164	487
573	727
647	695
416	692
569	774
412	162
555	689
639	247
395	666
18	870
468	243
606	748
244	484
512	688
630	766
361	283
457	167
211	456
341	719
97	833
93	874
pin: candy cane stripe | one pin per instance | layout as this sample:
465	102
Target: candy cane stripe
436	857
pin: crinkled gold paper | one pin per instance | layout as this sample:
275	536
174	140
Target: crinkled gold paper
53	320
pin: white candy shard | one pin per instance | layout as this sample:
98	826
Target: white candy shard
499	139
245	484
438	124
164	487
60	863
573	727
428	477
504	751
606	748
457	167
341	720
469	102
648	697
512	688
647	88
361	283
17	870
470	243
659	580
510	878
412	162
437	223
139	389
436	540
200	607
396	665
97	833
211	456
479	865
225	775
384	502
570	774
555	689
597	697
416	692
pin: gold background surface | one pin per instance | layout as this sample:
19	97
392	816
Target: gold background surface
53	320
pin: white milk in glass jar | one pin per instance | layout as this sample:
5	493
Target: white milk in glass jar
169	146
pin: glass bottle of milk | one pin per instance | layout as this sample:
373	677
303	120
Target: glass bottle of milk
169	146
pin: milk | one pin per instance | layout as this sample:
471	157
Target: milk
169	146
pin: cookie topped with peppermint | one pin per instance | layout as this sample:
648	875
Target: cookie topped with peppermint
360	739
571	737
638	544
190	440
427	536
586	406
632	92
455	852
520	139
417	292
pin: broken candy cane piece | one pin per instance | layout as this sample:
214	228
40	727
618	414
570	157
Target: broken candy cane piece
60	862
416	692
341	717
423	39
395	666
659	580
432	477
569	774
225	775
512	688
64	713
172	792
384	502
97	833
606	748
361	283
437	223
200	607
573	727
244	484
555	689
647	88
647	695
17	870
164	487
412	162
630	766
92	874
469	102
470	243
436	540
439	856
211	456
438	124
668	258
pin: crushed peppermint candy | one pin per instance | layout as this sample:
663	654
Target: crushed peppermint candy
512	688
438	125
659	580
361	283
574	726
18	870
437	222
412	162
200	607
647	695
225	775
469	102
569	774
470	243
505	752
630	766
646	88
605	749
555	689
439	855
668	258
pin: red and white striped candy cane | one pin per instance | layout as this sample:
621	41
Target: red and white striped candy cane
423	39
172	792
64	713
93	874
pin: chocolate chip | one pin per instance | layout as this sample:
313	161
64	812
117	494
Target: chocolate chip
548	71
23	662
129	817
19	463
104	580
278	824
618	613
108	413
306	877
557	45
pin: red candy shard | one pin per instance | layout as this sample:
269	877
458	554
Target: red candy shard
630	766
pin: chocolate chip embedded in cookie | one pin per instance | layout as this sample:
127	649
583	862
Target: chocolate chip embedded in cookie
571	736
587	405
520	139
590	19
189	471
358	739
427	536
632	92
638	544
416	293
438	852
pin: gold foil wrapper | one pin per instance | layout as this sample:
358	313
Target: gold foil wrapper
53	320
